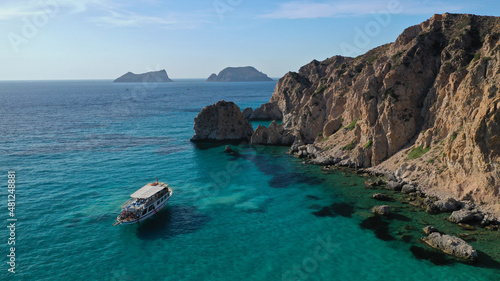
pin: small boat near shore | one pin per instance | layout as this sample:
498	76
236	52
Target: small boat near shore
144	203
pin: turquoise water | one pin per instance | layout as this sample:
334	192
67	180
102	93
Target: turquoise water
80	148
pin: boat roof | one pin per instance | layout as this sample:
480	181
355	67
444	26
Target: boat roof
148	190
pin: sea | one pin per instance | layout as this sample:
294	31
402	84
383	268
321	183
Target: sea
78	149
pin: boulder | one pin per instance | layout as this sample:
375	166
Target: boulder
222	121
394	185
451	245
488	219
447	205
408	188
312	150
307	151
465	215
382	210
295	146
372	183
323	159
429	229
429	206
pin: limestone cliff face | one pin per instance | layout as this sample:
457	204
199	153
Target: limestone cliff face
425	106
222	121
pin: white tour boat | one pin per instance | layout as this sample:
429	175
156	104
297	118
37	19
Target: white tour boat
144	203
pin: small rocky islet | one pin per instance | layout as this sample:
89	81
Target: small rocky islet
419	116
159	76
239	74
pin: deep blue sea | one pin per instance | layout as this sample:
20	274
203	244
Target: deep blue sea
80	148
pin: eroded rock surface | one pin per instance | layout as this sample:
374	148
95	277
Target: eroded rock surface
222	121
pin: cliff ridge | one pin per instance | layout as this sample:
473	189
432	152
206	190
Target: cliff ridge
425	107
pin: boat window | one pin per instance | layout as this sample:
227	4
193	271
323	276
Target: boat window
144	212
151	207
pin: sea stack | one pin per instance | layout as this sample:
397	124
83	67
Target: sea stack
222	121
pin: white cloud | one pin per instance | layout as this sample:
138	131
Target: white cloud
10	10
128	19
328	9
109	13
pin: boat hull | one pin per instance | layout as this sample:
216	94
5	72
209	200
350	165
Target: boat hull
157	206
147	215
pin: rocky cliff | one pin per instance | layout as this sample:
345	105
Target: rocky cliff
149	77
425	107
239	74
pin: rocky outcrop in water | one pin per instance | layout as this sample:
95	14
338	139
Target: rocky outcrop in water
149	77
272	135
239	74
451	245
383	210
222	121
267	111
425	107
465	215
429	229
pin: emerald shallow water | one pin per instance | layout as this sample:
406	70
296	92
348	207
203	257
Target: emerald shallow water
80	148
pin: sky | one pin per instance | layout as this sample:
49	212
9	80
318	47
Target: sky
103	39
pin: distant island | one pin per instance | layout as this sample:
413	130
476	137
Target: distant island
239	74
149	77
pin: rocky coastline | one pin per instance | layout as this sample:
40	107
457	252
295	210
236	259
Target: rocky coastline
425	107
419	117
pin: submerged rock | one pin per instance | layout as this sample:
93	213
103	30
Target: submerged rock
451	245
429	229
221	121
228	149
381	197
382	210
465	226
